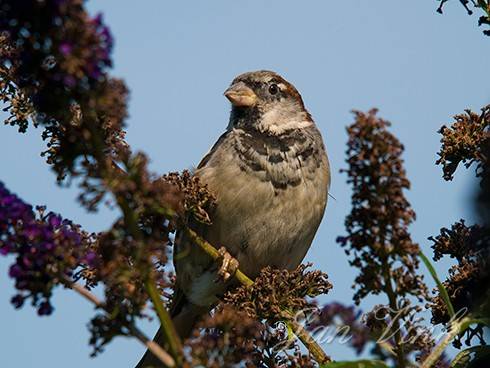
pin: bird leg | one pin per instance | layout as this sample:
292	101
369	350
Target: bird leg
228	266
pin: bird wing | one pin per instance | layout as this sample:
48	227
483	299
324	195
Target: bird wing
213	149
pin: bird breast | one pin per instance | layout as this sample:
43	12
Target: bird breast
271	195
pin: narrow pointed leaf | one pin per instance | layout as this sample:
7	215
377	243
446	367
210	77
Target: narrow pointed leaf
440	286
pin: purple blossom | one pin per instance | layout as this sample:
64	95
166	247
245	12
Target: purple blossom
60	2
45	308
94	72
17	301
54	220
82	56
66	48
106	35
15	271
90	258
69	81
47	249
97	20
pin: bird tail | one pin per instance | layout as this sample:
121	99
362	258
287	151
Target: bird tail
185	316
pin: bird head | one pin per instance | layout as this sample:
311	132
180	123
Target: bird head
267	102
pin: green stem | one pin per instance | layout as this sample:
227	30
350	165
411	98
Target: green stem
400	355
392	299
168	329
316	351
214	254
456	328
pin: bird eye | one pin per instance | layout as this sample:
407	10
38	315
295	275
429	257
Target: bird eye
273	89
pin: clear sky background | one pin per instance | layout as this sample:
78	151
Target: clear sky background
417	67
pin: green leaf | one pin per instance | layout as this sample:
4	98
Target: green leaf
440	286
481	321
356	364
471	357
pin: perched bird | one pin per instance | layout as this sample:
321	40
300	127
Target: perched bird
270	174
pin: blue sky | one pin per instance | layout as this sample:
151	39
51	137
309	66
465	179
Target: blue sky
417	67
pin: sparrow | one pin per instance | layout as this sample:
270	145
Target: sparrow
270	174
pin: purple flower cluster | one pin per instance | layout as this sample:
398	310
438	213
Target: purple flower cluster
47	249
75	52
101	52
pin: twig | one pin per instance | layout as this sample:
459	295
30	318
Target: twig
156	349
213	252
316	351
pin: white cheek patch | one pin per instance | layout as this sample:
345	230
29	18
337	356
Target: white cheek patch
281	128
283	118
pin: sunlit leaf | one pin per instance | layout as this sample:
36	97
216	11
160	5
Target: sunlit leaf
471	357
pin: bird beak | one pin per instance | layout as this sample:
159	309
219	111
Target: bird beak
241	95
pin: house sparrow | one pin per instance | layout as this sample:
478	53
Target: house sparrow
270	174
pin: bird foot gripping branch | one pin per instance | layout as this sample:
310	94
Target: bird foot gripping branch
228	267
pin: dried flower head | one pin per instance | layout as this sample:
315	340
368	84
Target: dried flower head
464	142
467	141
197	200
232	338
377	232
276	292
377	227
467	284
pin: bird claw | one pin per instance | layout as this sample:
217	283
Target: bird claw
229	265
